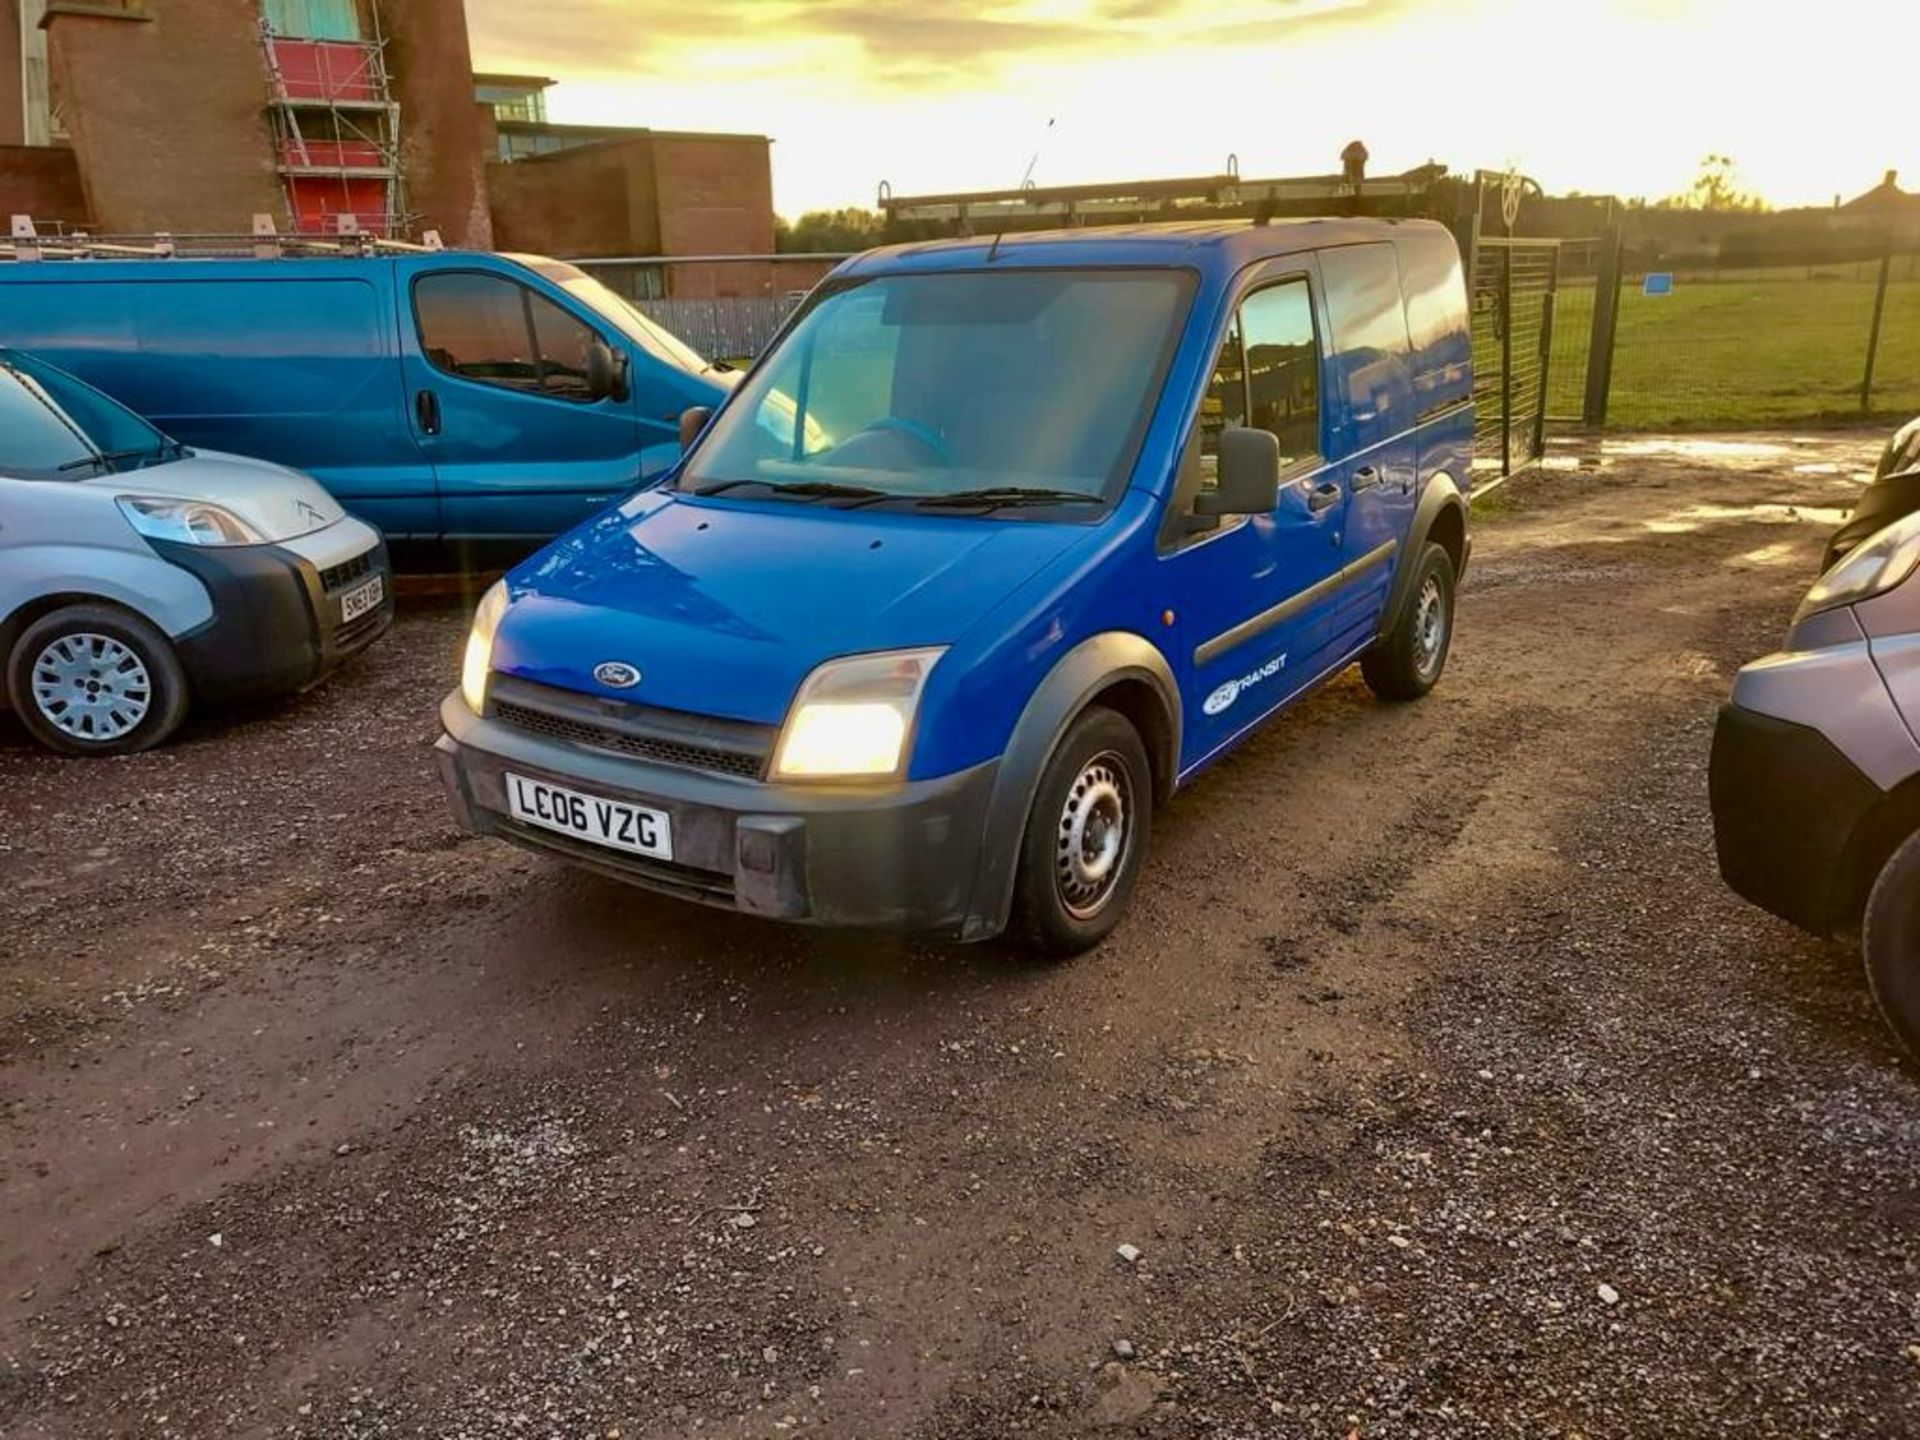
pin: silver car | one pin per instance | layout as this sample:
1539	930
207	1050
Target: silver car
1816	770
138	577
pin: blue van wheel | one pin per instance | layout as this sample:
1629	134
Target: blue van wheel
1086	836
1406	662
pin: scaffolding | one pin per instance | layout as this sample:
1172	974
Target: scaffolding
336	130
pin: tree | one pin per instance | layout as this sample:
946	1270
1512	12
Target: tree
1717	187
849	228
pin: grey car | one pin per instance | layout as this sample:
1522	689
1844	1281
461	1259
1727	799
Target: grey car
1816	770
138	577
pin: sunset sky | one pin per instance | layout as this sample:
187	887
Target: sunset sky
1620	96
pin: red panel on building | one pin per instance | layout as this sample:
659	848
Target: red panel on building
327	70
319	201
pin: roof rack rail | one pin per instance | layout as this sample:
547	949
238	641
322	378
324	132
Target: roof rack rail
265	242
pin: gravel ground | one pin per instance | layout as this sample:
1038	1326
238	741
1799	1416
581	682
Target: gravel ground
1435	1087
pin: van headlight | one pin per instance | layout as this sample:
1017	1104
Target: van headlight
186	522
852	717
479	657
1871	568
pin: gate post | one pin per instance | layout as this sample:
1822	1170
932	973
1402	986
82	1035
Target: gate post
1873	335
1606	321
1506	360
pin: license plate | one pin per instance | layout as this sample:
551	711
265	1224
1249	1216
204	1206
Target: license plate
363	599
612	823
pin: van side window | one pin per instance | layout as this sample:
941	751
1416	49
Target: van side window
1267	376
490	329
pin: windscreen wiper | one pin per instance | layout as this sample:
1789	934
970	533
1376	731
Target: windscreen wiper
114	457
830	490
994	496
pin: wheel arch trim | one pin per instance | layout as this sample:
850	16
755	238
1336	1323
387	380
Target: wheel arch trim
1096	666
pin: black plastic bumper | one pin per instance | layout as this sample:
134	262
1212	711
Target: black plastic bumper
276	626
1786	804
894	857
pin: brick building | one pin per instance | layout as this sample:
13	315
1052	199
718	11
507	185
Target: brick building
192	116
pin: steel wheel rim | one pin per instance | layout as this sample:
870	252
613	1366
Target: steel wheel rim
1094	835
91	687
1429	625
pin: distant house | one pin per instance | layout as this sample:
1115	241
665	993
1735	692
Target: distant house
1885	204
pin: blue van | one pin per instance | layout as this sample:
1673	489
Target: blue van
999	545
464	403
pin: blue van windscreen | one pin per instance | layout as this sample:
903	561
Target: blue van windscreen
924	385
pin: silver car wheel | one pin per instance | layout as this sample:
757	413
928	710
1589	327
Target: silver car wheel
91	687
1094	835
1429	627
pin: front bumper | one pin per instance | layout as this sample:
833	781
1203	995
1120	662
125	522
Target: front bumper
894	857
278	624
1786	805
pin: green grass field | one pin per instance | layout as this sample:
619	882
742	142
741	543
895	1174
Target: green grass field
1745	352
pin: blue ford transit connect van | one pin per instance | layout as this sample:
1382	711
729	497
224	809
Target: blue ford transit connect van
1000	544
467	401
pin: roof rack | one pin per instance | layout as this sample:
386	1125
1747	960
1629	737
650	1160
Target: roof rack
265	242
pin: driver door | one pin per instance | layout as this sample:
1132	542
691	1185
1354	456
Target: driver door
1256	595
499	399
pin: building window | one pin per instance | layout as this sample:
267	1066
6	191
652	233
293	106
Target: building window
314	19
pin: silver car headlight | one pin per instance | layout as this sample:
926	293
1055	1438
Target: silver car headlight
1871	568
853	716
187	522
478	661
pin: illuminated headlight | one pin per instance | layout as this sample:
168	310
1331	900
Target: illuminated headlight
1871	568
479	656
853	716
187	522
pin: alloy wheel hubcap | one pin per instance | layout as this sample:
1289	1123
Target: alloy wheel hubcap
1093	835
91	687
1429	625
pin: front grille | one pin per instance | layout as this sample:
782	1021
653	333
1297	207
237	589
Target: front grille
339	577
665	737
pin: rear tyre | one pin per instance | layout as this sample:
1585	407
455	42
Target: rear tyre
1406	662
1086	836
96	680
1890	942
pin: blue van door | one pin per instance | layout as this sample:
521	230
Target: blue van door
1370	370
497	374
1256	597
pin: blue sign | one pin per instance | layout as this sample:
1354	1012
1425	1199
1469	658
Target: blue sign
1658	283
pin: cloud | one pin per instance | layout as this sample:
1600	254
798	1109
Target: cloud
889	42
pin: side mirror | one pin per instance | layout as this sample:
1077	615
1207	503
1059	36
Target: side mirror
692	422
1249	475
606	371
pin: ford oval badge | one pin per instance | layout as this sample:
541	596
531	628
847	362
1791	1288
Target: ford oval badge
616	675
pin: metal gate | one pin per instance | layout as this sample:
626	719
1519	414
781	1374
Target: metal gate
1514	285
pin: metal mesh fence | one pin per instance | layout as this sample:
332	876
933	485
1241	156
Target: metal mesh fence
1763	346
1512	306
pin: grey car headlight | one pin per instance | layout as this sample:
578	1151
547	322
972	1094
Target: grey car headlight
1873	567
187	522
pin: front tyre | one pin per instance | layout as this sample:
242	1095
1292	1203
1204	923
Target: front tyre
1086	836
1890	942
96	680
1406	662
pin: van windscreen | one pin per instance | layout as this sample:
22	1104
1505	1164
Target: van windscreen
924	387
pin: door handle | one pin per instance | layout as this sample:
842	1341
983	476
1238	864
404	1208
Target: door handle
426	408
1322	497
1366	477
